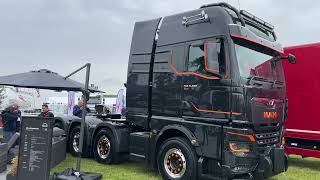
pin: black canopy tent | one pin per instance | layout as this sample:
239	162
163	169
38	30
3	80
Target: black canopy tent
45	79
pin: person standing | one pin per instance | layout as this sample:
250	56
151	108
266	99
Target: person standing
77	109
10	117
45	111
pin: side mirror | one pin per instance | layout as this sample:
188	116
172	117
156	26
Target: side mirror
292	59
211	59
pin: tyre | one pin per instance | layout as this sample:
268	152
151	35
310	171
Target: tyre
74	141
104	147
177	160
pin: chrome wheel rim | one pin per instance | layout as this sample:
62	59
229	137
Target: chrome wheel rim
103	147
75	141
175	163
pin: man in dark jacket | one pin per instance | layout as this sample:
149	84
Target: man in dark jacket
10	117
45	111
77	109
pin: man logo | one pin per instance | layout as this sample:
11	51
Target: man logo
271	102
270	115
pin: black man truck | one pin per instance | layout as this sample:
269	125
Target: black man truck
205	99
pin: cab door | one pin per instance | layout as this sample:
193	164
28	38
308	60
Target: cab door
206	84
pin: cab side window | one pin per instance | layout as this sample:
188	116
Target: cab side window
196	59
207	58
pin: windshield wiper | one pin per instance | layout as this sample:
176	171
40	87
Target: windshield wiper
278	83
256	78
274	83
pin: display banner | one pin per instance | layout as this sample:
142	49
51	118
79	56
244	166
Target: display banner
71	102
120	101
35	148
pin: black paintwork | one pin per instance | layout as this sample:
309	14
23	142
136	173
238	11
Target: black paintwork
175	95
165	100
69	122
139	67
93	126
199	107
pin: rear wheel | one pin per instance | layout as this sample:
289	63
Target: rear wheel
104	147
74	140
177	160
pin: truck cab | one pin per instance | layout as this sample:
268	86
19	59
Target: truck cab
210	75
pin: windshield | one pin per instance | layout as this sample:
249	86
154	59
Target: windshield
253	63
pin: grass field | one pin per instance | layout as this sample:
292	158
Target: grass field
308	169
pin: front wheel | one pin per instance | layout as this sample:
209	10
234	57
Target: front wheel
177	160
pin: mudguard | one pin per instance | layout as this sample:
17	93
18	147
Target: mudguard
182	129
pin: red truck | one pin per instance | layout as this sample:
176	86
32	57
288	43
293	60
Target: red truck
302	133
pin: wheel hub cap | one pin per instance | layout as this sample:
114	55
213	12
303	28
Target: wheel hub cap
175	163
75	142
103	147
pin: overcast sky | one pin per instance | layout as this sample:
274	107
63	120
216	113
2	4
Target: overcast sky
62	35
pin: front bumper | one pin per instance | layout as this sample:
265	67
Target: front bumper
271	161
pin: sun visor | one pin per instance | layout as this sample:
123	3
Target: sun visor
239	32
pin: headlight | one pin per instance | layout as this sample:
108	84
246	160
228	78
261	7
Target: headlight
240	136
239	147
239	151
